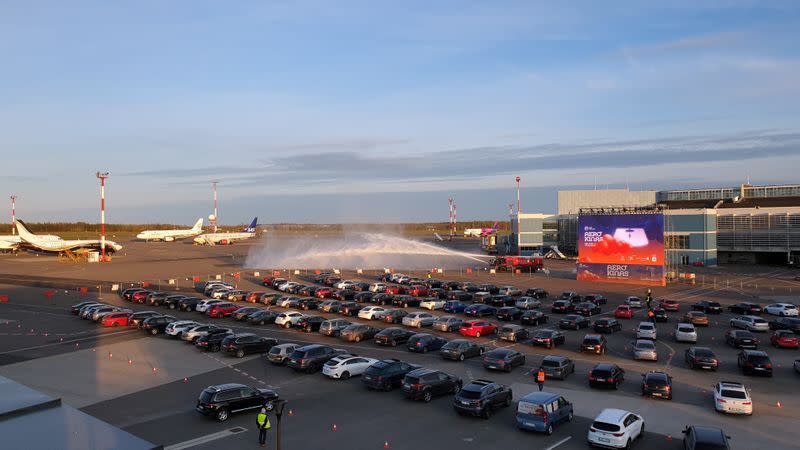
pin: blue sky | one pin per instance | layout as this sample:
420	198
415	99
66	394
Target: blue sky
372	111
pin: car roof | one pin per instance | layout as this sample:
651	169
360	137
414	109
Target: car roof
539	398
421	372
558	358
732	385
708	434
225	386
657	374
604	366
612	415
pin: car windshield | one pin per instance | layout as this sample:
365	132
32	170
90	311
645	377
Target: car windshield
685	329
603	426
275	350
759	359
704	353
733	394
601	373
206	396
645	346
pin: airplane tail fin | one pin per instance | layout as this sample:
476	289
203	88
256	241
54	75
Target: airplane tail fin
24	233
252	227
198	226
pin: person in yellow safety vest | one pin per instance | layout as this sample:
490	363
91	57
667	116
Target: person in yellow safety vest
263	425
540	379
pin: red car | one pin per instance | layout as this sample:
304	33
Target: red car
115	319
784	339
224	309
477	328
669	305
253	297
418	291
140	296
623	312
267	281
324	293
395	290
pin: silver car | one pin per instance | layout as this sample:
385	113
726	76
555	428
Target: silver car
278	354
195	332
419	319
333	327
447	323
645	350
527	303
175	329
750	323
555	366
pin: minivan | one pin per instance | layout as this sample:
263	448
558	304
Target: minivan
540	411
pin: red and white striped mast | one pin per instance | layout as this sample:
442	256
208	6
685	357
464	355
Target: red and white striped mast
13	214
450	222
102	176
214	183
455	218
519	232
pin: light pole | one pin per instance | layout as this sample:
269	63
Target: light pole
214	183
102	176
277	406
519	232
13	214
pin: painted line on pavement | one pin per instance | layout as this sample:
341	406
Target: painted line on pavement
559	443
204	439
36	347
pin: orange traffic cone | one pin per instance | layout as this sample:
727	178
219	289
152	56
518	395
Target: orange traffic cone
291	413
386	444
778	404
333	428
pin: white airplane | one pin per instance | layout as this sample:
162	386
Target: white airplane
171	235
227	238
30	240
11	242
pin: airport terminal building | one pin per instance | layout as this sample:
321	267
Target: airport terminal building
745	224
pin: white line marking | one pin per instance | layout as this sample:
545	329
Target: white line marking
65	342
552	446
203	439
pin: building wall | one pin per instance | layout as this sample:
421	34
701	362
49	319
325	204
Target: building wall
532	235
691	236
571	202
769	230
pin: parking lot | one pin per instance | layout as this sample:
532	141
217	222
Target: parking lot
149	385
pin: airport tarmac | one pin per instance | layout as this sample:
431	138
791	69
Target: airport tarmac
109	373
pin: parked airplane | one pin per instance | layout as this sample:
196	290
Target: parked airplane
227	238
480	232
30	240
171	235
11	242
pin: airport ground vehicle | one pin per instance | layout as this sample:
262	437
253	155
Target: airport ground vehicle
541	411
555	366
346	366
517	263
608	375
657	384
221	400
424	384
615	428
386	374
481	398
732	398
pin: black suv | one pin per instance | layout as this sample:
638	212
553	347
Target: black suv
349	309
537	293
311	358
594	343
262	317
509	313
704	437
702	357
156	325
393	336
186	303
657	384
310	323
745	308
481	398
606	375
386	374
533	317
785	323
606	326
754	362
741	339
244	343
707	307
212	341
424	343
223	399
424	384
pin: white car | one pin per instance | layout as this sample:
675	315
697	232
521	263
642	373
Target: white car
212	286
288	318
377	287
646	330
781	309
686	332
346	366
511	291
633	302
285	286
372	313
732	398
220	294
528	303
750	323
419	319
205	304
176	328
346	284
432	303
403	280
195	332
615	428
287	302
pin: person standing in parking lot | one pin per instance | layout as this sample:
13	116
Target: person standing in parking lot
648	298
651	316
540	379
262	421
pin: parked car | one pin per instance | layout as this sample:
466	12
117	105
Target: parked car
558	367
569	296
371	312
754	362
745	308
394	315
243	344
345	366
262	317
561	307
224	309
615	428
586	309
785	323
597	299
358	332
573	322
606	326
669	305
460	349
135	320
657	384
537	293
115	319
509	313
781	309
533	317
333	327
432	304
784	339
701	357
386	374
174	329
547	338
279	354
477	328
424	343
363	297
500	301
311	358
623	312
219	401
308	304
741	339
447	323
419	319
696	318
212	341
607	375
157	325
541	411
481	398
594	343
633	301
646	330
686	332
707	307
393	336
732	398
480	310
513	333
527	303
424	384
454	306
660	315
242	314
288	319
329	306
700	438
504	359
749	323
309	323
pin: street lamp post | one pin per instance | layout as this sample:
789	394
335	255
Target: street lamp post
102	176
277	406
13	214
519	232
